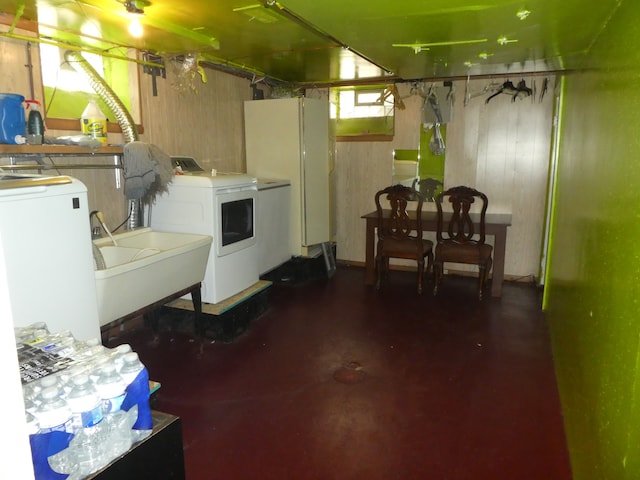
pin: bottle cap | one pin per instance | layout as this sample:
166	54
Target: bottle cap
80	379
123	348
49	393
108	368
49	381
131	357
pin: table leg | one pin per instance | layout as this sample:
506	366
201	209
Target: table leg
198	320
499	248
370	270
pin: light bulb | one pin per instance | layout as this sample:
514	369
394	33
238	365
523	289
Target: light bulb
135	28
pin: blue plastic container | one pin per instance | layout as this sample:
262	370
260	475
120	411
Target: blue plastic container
12	122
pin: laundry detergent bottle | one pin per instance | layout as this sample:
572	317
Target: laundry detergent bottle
12	123
94	122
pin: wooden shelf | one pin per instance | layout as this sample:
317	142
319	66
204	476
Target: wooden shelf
58	150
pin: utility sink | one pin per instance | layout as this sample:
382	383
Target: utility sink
144	267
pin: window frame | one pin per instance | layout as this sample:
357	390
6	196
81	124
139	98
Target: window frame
385	136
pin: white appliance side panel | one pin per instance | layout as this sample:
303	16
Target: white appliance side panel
17	449
49	259
273	217
315	172
275	149
185	209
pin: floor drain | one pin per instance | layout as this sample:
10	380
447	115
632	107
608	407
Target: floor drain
349	373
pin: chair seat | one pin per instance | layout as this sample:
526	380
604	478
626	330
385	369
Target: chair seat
404	249
463	253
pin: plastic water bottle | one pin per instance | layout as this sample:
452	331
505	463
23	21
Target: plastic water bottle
118	353
136	378
30	405
53	413
85	403
117	424
87	349
49	381
32	424
87	448
131	367
55	421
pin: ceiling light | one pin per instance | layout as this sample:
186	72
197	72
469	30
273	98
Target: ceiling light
522	14
135	28
484	55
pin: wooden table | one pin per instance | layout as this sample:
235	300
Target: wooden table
495	224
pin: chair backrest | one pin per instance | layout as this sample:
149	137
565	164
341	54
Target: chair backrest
460	225
398	224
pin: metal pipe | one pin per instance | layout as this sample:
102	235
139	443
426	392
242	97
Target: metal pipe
53	166
69	46
29	66
285	12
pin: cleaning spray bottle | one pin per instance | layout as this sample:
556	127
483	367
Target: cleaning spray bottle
35	124
94	122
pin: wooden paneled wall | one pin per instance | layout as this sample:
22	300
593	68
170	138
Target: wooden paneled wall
501	148
207	124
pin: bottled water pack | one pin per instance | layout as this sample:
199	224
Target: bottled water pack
86	415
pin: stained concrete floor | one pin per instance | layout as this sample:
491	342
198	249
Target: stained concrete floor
339	381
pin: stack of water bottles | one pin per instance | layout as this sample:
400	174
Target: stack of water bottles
83	416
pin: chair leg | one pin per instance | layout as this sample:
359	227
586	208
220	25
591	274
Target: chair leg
420	274
379	267
482	276
437	276
484	273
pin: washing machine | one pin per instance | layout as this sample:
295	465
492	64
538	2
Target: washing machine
222	205
273	223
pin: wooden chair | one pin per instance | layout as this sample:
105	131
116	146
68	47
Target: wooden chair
396	237
460	235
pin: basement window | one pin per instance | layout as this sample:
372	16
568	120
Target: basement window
67	92
362	113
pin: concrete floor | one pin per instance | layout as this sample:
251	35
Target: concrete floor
340	381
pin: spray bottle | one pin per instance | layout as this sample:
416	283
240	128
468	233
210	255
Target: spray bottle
35	124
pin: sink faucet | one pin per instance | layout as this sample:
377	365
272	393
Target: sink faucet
100	218
95	231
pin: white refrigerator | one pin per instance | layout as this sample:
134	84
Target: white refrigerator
288	138
46	243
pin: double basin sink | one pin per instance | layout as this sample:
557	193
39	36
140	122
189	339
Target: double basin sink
145	266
